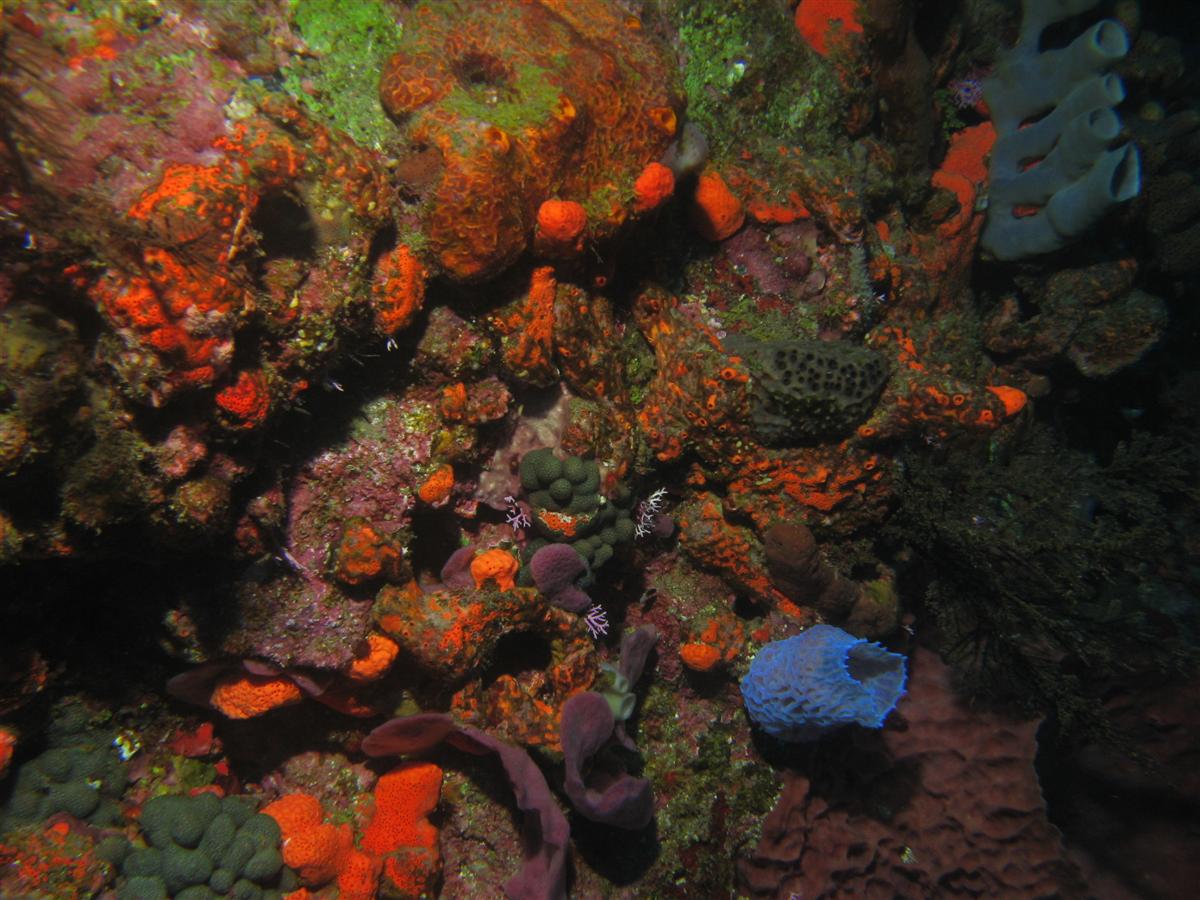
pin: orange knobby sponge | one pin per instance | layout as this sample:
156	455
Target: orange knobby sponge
247	401
816	19
245	696
437	486
495	565
398	290
560	227
699	657
317	850
653	187
715	212
376	658
358	877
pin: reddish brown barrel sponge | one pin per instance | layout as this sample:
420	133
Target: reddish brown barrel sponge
506	105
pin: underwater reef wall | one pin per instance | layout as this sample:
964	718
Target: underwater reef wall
548	448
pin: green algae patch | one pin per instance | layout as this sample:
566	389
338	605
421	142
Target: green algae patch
351	39
743	62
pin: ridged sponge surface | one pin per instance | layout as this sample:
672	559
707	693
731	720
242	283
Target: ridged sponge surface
804	687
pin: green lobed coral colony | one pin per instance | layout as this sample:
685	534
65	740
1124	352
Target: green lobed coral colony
567	506
80	774
205	846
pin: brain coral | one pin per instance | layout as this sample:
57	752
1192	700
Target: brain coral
506	105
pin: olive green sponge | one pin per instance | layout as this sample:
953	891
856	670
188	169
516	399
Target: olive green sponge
808	391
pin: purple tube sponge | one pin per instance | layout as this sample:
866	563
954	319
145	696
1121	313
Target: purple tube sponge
609	796
805	687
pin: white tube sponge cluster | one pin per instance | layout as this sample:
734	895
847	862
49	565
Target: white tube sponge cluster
1060	162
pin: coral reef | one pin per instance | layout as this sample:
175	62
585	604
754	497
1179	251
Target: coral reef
506	108
518	446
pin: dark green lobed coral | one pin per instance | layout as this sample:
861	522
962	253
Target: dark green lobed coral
204	846
81	774
571	486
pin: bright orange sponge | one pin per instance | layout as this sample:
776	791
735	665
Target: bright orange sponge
377	657
716	213
497	566
399	832
246	696
653	187
316	850
560	227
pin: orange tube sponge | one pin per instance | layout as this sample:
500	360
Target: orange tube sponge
495	565
398	290
377	658
1014	399
715	213
653	187
246	696
247	401
560	227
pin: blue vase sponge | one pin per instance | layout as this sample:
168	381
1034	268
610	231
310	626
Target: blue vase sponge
804	687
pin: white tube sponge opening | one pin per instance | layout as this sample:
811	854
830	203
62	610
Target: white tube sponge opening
1055	124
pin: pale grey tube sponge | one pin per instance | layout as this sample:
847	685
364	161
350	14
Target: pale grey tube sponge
1065	101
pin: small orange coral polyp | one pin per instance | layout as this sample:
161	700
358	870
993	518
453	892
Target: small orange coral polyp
437	486
375	660
495	565
715	212
246	696
653	187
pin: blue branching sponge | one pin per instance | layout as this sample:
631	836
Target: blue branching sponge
804	687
